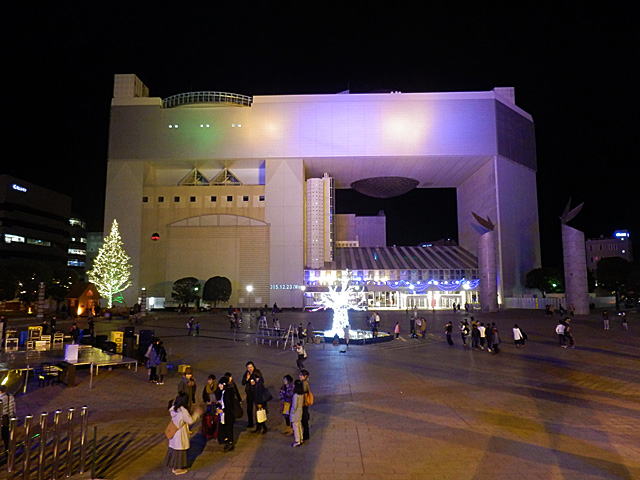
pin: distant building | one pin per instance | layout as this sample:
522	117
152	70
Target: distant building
94	242
77	249
361	231
33	222
618	245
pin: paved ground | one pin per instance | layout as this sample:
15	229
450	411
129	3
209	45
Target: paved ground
407	409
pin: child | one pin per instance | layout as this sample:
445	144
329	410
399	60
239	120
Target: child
286	397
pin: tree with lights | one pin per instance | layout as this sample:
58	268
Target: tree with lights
111	272
342	297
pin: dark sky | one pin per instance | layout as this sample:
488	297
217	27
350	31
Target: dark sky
573	68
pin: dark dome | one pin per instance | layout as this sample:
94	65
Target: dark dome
384	187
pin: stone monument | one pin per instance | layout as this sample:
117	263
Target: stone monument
575	263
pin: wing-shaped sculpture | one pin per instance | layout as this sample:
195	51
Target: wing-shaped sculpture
486	223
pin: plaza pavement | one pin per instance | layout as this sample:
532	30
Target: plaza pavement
406	409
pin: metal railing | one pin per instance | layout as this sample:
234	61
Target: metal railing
192	98
39	450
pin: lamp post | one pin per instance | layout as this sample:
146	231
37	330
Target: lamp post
249	289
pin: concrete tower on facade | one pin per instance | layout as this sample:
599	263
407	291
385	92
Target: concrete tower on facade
487	265
575	263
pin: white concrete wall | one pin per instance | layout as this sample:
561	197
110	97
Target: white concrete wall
284	190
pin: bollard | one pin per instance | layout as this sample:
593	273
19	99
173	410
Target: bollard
11	454
70	441
84	419
43	444
56	441
27	447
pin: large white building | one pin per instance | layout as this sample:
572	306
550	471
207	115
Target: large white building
209	183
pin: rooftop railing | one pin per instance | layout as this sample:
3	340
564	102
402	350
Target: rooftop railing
192	98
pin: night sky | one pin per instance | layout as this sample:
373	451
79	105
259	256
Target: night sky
573	69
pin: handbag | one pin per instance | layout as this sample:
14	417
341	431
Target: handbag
171	430
261	415
308	399
286	408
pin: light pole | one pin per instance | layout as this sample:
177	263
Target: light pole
249	289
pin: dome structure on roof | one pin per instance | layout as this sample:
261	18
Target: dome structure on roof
384	187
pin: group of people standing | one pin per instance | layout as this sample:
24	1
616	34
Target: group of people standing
482	336
222	405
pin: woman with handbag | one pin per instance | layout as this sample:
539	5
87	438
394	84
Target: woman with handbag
177	432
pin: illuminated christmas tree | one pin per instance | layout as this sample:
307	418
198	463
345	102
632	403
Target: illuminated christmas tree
111	272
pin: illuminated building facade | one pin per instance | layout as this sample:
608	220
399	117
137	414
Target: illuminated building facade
210	183
618	245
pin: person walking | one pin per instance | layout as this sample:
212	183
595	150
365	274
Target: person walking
605	319
226	406
448	331
153	361
187	385
464	332
197	327
475	336
483	336
568	334
296	413
176	457
560	328
286	399
518	338
303	376
302	355
189	326
7	410
263	396
396	329
161	369
249	380
495	339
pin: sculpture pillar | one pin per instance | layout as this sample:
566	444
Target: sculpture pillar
575	263
487	265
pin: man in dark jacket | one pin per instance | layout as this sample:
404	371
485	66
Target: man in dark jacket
249	380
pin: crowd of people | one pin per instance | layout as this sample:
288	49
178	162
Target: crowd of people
222	405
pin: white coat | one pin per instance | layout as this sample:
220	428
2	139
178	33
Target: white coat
182	420
517	334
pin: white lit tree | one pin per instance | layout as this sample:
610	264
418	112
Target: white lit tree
111	272
342	297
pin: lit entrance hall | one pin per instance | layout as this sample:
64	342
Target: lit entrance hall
425	277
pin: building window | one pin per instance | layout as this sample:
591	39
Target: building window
9	238
192	199
77	251
214	198
145	199
261	198
176	199
40	243
245	198
75	222
160	199
229	198
75	263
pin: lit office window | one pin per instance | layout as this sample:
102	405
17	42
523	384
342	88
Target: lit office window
77	251
75	263
9	238
38	242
